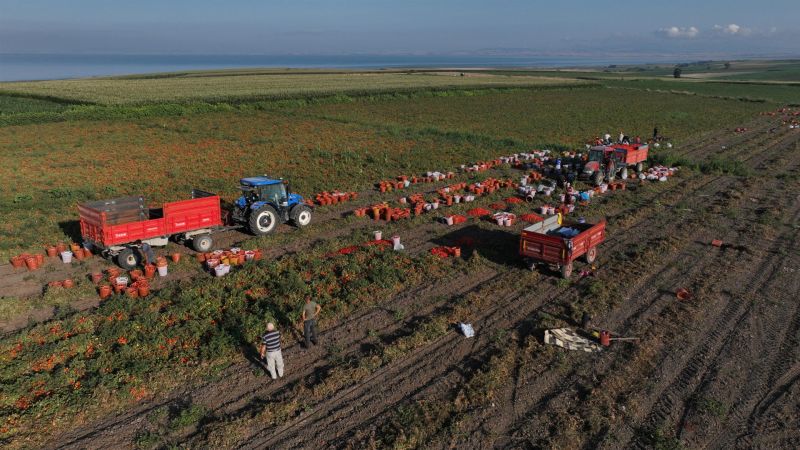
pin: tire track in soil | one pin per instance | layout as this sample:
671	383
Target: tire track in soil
771	370
771	260
554	296
782	430
772	251
635	317
724	331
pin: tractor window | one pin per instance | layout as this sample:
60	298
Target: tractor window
275	193
596	156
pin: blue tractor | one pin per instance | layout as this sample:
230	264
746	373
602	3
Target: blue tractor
266	202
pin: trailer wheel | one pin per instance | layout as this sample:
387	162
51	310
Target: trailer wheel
263	220
301	215
591	255
566	270
639	167
202	243
128	259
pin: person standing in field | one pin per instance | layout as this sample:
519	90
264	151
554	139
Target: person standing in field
655	133
271	351
310	313
148	256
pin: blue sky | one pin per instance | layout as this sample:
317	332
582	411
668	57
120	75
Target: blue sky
733	27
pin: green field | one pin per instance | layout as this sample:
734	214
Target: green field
548	118
748	91
18	105
228	88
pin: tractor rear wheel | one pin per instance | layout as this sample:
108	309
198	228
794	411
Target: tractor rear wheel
301	215
263	220
128	259
202	243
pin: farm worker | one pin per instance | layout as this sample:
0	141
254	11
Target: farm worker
606	138
621	137
310	313
271	351
148	254
655	133
637	140
586	320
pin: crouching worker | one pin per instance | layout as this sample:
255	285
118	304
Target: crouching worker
271	351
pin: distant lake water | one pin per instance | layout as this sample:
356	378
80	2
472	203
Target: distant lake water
16	67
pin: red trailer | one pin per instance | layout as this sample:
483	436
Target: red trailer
559	244
119	226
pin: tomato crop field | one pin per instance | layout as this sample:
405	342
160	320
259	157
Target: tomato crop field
177	364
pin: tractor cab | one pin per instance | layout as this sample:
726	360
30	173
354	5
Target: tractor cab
263	189
266	202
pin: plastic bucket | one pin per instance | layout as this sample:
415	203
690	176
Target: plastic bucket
378	235
507	222
220	270
605	338
66	256
162	271
122	281
395	240
449	220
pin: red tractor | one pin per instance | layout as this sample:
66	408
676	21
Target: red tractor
606	162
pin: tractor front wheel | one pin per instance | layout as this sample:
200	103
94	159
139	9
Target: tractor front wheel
263	220
598	178
624	173
301	215
639	167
